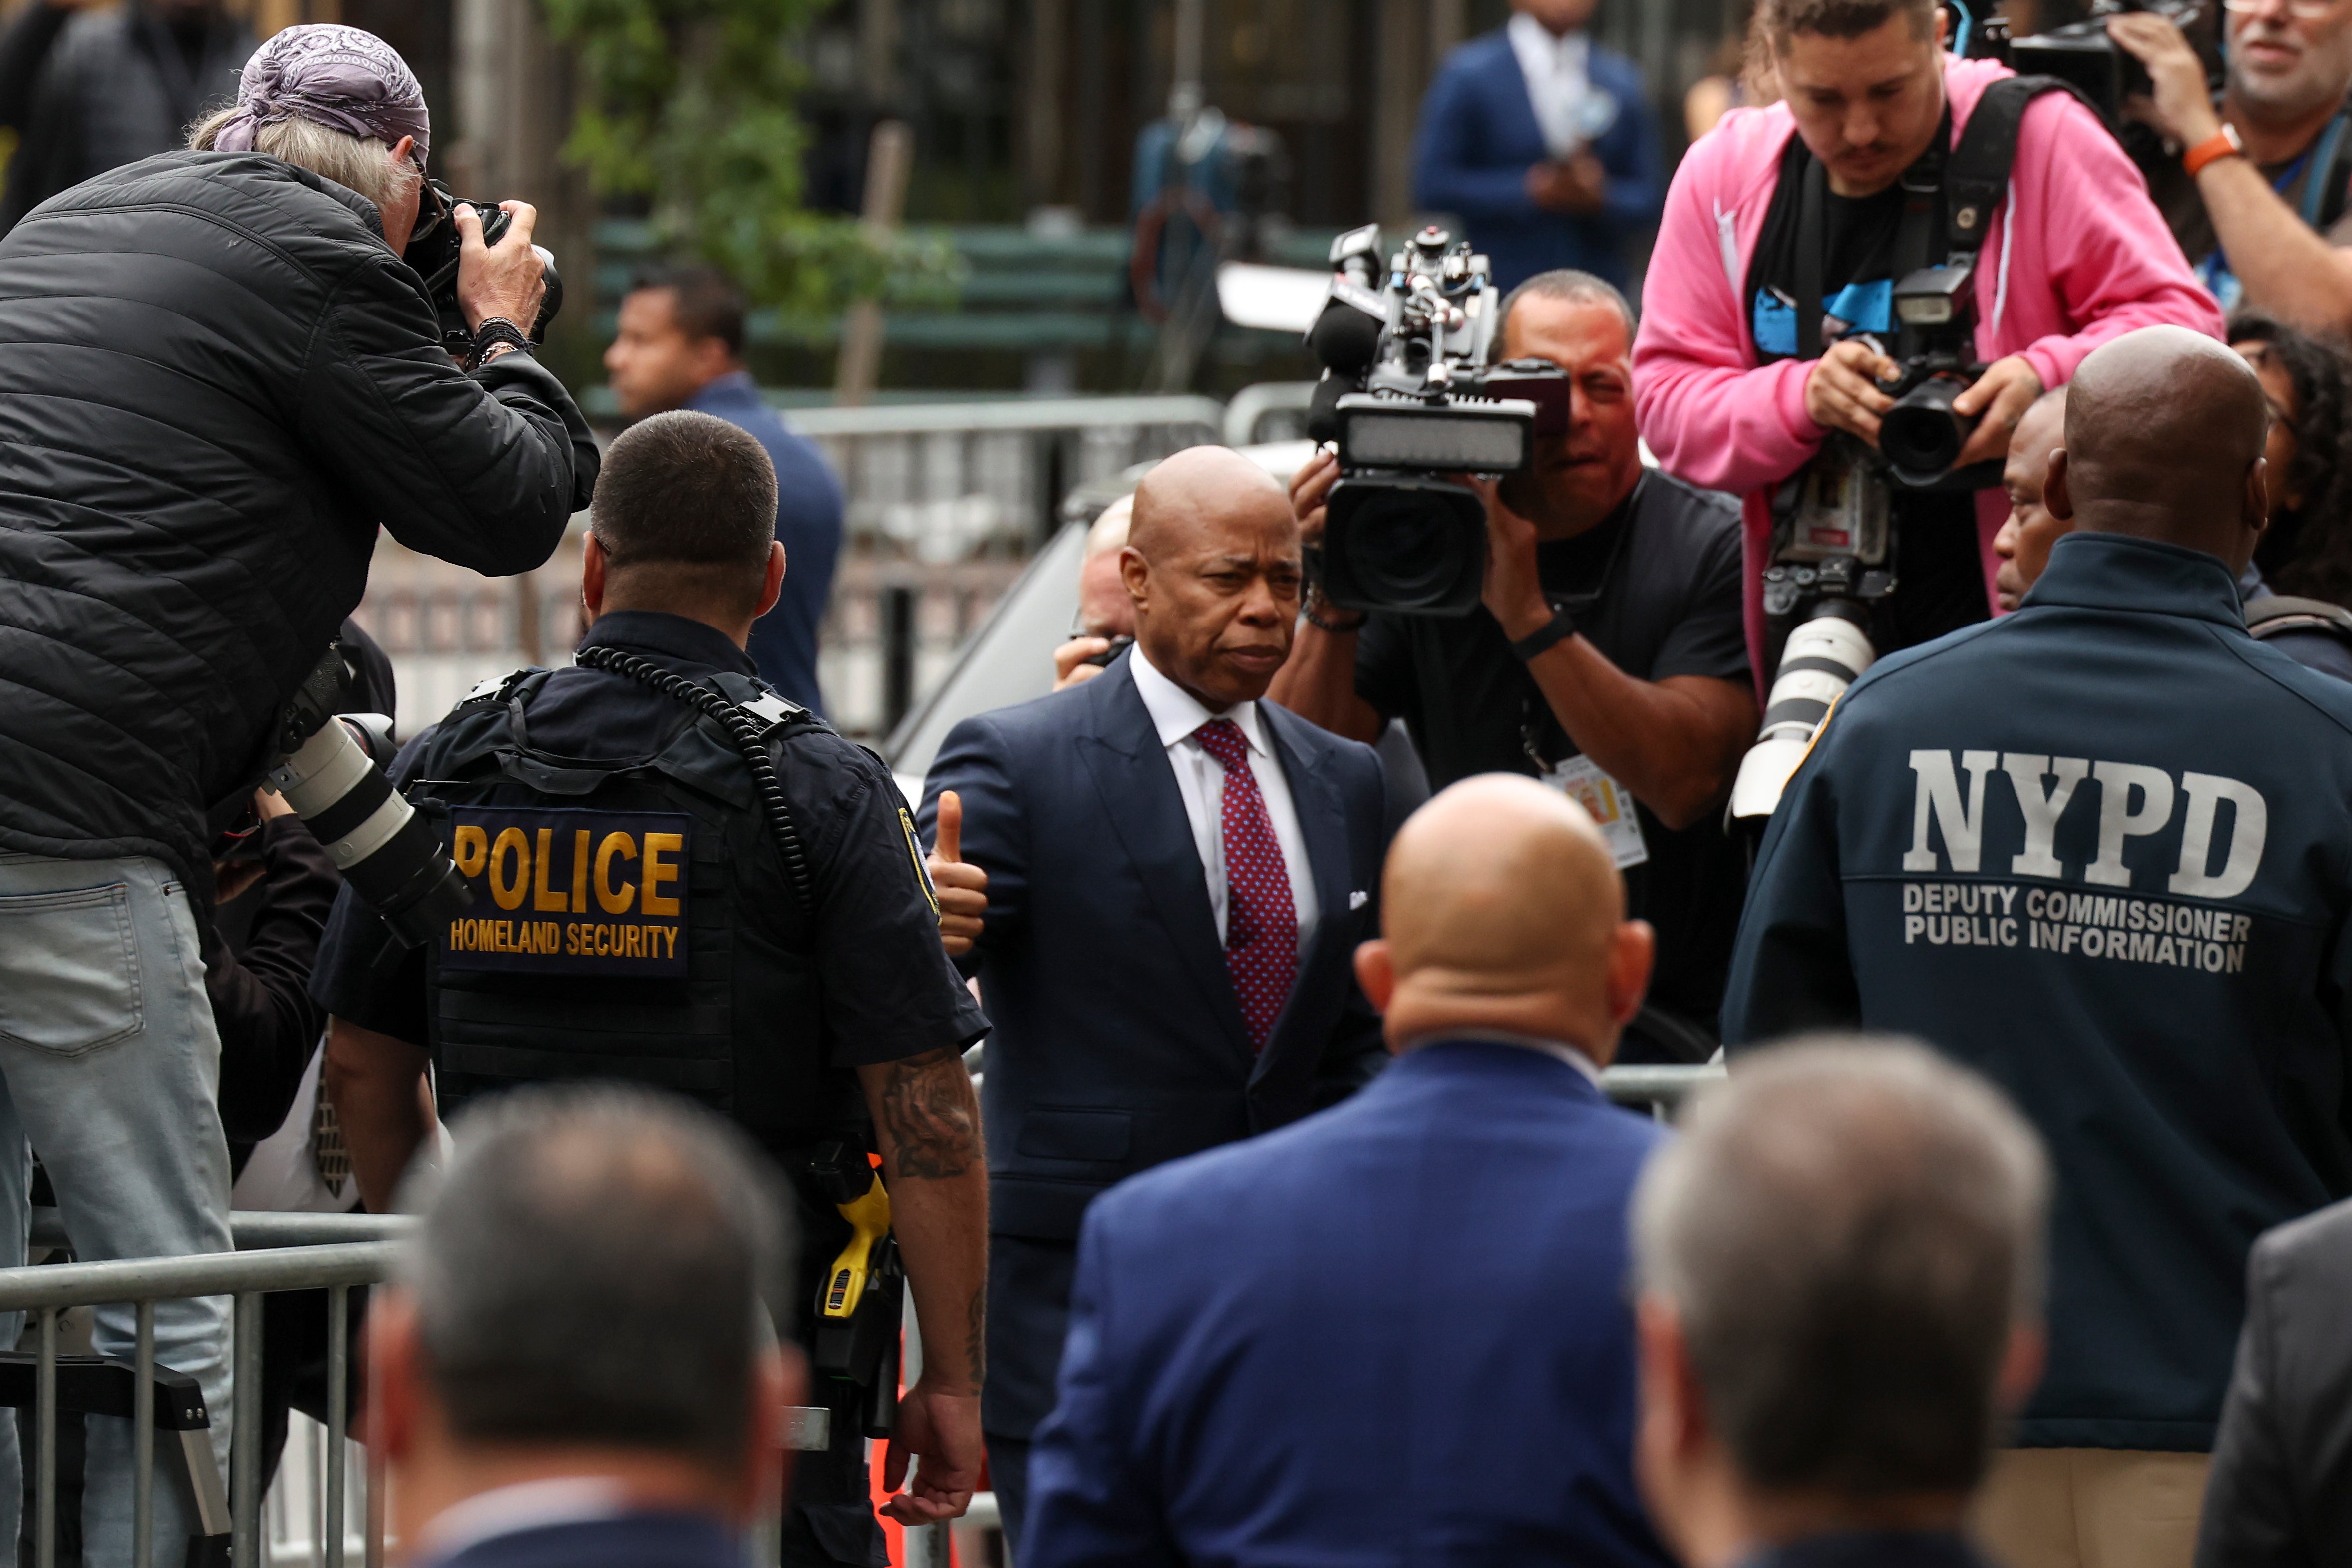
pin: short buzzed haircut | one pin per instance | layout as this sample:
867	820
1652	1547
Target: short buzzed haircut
689	492
706	303
599	1264
1566	283
1843	18
1849	1230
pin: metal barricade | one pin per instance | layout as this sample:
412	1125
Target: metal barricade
1660	1088
277	1252
945	502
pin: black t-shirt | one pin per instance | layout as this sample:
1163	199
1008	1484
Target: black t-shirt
1656	587
888	991
1940	575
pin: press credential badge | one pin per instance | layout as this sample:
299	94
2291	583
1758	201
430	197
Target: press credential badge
1605	801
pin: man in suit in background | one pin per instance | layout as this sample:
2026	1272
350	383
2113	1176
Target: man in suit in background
1541	142
1840	1265
2279	1493
577	1366
1176	876
679	344
1396	1333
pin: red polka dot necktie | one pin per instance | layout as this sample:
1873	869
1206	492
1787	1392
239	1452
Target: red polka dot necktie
1261	918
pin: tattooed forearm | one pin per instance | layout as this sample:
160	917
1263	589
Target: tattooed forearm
929	1118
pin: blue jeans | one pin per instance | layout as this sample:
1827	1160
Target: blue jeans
109	1066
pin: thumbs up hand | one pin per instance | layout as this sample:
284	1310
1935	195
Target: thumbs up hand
962	887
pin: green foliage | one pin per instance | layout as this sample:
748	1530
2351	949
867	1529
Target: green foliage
689	103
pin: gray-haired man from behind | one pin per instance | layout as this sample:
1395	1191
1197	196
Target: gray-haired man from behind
1840	1265
577	1366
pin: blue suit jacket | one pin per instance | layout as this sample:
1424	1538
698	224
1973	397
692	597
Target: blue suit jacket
808	520
1478	137
1117	1042
628	1541
1396	1333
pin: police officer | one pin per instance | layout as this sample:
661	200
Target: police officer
2098	850
681	879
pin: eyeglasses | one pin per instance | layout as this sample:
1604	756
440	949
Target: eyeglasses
2301	10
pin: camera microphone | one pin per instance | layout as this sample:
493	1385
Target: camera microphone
1345	340
1323	408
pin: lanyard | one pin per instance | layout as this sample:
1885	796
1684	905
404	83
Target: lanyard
1533	711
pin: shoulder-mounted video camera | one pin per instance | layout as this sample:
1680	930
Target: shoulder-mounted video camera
433	250
1410	400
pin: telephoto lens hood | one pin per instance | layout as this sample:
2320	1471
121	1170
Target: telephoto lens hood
327	771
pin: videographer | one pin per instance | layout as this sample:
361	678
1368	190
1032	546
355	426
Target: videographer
1743	385
2257	196
1606	658
221	379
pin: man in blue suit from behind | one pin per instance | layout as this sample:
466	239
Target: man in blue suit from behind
576	1365
1397	1333
1542	143
1177	876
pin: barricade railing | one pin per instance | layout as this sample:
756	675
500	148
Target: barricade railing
278	1253
1662	1088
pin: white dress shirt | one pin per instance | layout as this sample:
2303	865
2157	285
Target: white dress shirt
1201	779
1558	84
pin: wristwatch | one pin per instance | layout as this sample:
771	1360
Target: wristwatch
2222	144
1551	634
493	332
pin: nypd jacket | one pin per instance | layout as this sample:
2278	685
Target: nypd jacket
2100	850
218	382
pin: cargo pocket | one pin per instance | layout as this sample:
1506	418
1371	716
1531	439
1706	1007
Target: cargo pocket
68	970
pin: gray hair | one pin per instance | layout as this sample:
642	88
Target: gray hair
1566	283
1849	1230
359	163
598	1264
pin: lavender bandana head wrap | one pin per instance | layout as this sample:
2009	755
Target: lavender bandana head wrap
337	77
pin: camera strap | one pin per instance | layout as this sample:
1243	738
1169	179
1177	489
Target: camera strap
1916	235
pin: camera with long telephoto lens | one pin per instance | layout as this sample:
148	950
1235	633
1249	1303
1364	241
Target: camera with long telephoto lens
1833	541
1409	397
2082	54
330	768
434	251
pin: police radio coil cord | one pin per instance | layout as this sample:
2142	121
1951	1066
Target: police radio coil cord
741	730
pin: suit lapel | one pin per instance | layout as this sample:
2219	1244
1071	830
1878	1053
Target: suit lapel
1323	824
1519	107
1137	785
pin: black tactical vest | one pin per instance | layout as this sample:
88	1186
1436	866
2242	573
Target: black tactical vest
632	920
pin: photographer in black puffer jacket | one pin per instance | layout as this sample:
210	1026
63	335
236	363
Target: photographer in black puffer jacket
220	379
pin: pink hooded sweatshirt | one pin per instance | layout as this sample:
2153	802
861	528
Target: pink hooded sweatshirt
2091	261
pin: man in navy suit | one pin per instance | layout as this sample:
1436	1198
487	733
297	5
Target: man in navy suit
1840	1266
1542	143
1396	1333
678	343
576	1365
1176	876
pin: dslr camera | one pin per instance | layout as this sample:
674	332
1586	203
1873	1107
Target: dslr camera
2081	55
1833	555
1409	397
433	250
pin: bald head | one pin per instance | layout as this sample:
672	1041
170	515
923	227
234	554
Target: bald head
1196	484
1502	910
1212	566
2163	440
